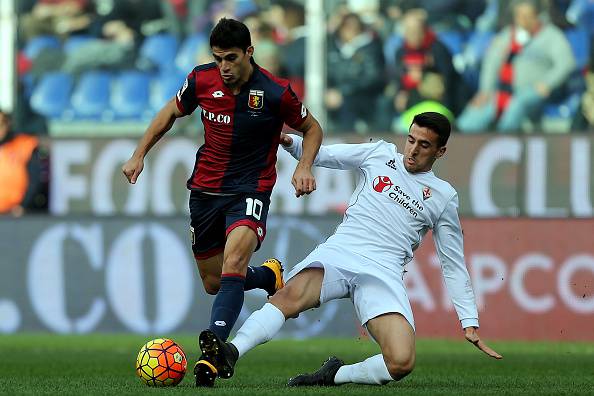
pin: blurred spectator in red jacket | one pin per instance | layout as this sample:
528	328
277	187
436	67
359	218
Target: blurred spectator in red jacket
20	169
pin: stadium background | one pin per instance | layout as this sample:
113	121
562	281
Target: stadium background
94	254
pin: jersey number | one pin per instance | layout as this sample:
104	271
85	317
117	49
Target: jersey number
254	208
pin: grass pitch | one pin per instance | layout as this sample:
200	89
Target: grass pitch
103	364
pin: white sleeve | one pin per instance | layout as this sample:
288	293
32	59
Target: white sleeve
335	156
447	234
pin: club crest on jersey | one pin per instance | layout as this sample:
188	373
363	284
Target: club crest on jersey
426	193
382	184
256	99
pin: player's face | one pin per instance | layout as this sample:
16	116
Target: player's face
421	149
233	63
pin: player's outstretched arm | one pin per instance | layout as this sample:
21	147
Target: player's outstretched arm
161	123
303	179
471	335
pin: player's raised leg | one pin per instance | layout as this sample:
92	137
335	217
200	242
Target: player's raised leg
268	276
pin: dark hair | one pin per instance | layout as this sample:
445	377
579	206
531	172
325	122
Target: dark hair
229	33
437	122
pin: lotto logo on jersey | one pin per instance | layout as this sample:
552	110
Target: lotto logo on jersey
382	184
256	99
219	118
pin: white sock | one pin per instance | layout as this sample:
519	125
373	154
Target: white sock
370	371
259	328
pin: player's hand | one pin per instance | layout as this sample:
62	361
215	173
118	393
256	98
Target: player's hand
132	169
472	336
286	140
303	180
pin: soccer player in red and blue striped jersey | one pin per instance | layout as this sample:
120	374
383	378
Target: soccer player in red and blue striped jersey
243	108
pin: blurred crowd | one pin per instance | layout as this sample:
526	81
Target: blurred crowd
492	66
489	65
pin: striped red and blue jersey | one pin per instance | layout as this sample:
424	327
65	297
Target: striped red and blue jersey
241	132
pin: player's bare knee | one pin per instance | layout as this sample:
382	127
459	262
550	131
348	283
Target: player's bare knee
235	264
399	367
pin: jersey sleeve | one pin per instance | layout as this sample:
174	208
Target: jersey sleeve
335	156
447	234
186	98
292	111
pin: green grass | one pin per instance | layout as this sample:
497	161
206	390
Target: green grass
104	364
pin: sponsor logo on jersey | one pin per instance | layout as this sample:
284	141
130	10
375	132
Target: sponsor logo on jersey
392	163
426	193
218	118
382	184
256	99
218	94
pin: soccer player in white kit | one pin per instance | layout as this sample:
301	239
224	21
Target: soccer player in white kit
397	200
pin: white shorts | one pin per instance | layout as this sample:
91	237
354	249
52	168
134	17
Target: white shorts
374	290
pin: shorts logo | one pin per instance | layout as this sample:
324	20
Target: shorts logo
260	232
256	99
426	193
192	235
382	184
220	323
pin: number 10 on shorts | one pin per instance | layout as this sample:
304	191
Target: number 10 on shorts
253	207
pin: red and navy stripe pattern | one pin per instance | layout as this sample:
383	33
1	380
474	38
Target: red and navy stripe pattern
242	132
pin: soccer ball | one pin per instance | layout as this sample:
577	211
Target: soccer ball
161	362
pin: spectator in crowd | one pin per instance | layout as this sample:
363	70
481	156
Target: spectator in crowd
123	28
355	75
20	169
424	67
524	64
293	47
182	16
56	17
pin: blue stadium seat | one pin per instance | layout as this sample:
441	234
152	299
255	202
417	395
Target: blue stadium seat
164	87
72	43
51	97
160	50
580	44
186	56
453	40
90	99
38	44
130	95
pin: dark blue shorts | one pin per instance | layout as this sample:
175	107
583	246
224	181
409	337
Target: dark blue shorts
213	217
